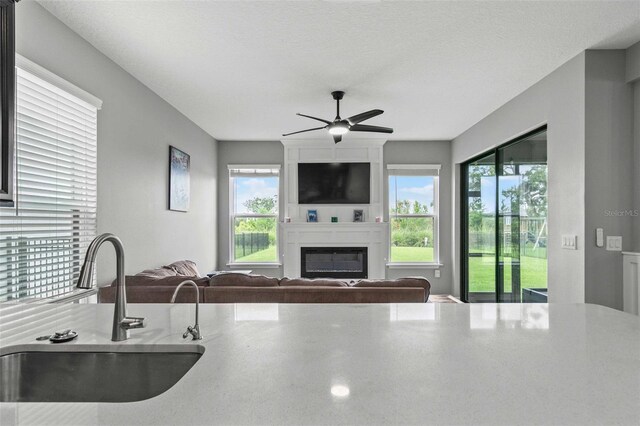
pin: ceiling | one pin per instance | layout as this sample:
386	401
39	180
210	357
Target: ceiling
242	69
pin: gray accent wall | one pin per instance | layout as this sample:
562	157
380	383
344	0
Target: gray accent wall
135	129
609	172
395	152
558	100
426	152
243	152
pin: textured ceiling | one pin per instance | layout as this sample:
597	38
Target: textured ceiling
242	69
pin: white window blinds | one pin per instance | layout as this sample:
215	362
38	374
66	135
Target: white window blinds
43	238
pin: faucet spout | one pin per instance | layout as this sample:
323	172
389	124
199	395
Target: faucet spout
195	330
121	323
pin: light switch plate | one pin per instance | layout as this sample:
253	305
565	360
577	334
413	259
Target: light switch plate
437	273
614	243
570	242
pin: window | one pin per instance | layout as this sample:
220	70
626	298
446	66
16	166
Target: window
253	214
413	213
43	238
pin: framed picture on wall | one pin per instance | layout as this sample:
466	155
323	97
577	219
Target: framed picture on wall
312	215
358	215
179	179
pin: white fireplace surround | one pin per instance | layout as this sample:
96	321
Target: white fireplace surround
346	233
373	236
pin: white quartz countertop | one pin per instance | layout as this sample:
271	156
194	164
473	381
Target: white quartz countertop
360	364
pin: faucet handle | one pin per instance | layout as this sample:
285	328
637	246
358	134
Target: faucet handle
133	322
193	331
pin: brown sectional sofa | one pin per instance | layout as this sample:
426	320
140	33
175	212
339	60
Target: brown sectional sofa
244	288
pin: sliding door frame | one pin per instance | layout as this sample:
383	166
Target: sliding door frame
464	214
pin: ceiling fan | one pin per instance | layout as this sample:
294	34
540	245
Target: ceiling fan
339	126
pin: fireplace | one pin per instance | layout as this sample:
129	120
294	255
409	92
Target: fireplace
333	262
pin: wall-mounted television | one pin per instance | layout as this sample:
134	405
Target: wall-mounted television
334	183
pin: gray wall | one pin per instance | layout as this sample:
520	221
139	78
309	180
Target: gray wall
559	101
636	169
395	152
427	152
135	128
609	172
243	152
633	77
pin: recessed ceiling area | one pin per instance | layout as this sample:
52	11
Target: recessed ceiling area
242	69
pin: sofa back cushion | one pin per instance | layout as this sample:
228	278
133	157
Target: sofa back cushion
151	294
185	268
400	282
307	282
143	281
233	279
353	295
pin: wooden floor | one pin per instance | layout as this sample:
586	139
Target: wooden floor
443	298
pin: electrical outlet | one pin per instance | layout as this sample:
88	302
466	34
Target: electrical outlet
614	243
437	273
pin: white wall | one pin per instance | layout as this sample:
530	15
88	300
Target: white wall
427	152
135	129
559	101
609	172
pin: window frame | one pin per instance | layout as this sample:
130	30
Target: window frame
233	263
430	170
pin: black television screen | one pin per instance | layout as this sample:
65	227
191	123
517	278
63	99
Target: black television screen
334	183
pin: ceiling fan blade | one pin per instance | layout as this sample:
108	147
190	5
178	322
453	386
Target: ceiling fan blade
365	128
302	131
358	118
314	118
337	138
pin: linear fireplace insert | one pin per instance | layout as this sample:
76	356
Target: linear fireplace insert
333	262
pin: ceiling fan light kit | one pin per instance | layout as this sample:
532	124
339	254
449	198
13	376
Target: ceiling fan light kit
339	127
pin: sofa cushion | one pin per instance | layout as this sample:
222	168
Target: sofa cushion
233	279
185	268
157	273
306	282
151	294
399	282
143	281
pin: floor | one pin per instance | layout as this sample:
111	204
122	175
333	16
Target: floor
443	298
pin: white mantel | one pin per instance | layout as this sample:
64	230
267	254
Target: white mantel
373	236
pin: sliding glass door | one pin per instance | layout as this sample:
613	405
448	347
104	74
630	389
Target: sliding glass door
504	220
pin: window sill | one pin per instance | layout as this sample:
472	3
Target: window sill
407	265
254	265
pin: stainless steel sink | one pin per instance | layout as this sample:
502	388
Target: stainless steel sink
40	374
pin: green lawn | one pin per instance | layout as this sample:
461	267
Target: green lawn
533	273
533	270
411	254
267	255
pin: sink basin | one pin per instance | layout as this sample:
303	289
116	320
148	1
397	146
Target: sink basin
41	374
